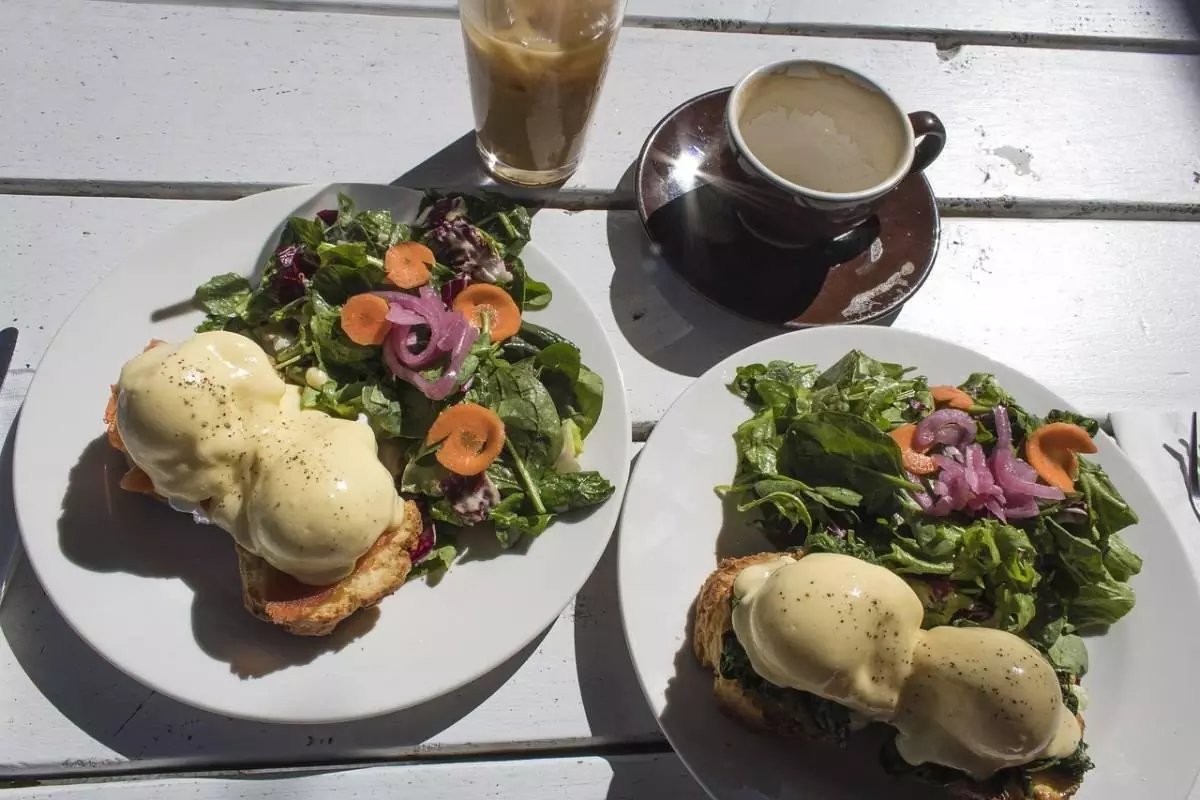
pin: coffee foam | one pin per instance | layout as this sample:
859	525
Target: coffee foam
822	130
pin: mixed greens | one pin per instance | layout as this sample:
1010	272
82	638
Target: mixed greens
535	381
979	539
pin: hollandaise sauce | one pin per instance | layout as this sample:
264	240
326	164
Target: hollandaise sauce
974	699
214	426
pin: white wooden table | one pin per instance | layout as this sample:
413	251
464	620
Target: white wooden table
1070	190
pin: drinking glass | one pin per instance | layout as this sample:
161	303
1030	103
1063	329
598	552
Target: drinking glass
535	69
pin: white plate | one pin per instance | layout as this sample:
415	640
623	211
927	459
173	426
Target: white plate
1141	724
159	597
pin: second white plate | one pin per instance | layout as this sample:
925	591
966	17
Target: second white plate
1141	720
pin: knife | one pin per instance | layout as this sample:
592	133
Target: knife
8	559
8	345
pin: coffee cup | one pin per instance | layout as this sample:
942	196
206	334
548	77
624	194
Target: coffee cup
814	148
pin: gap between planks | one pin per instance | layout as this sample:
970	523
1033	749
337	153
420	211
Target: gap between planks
943	39
1002	207
148	770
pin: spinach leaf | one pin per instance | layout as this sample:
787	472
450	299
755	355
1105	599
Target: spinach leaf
986	391
944	602
418	413
1107	510
1089	424
540	337
503	477
1069	654
1120	561
529	294
757	446
576	391
224	296
781	386
1099	605
836	448
308	232
376	230
874	390
436	562
345	270
781	495
589	400
1000	559
830	717
517	395
561	357
508	224
424	475
847	545
907	558
857	367
385	415
537	295
1095	597
514	521
565	492
516	349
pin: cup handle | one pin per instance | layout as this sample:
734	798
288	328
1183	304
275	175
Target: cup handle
932	134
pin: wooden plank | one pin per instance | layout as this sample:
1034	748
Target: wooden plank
188	95
611	778
1127	287
1098	22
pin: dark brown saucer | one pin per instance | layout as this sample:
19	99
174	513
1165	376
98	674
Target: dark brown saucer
863	276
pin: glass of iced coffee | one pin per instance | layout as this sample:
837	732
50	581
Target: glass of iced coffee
535	70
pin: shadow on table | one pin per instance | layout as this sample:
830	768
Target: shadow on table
10	540
1192	7
612	698
457	168
736	761
99	698
106	529
105	703
616	709
648	777
660	315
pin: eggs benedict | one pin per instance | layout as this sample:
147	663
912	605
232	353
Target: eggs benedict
827	627
214	430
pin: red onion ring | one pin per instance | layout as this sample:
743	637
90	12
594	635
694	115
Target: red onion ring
949	426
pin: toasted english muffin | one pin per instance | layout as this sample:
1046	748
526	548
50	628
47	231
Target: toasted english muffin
304	610
789	713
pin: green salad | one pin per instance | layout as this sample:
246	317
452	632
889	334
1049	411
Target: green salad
428	355
829	462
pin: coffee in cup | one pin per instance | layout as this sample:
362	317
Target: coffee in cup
819	147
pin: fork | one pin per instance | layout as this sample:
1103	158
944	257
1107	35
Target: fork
1193	469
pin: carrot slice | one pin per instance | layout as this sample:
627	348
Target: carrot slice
484	299
364	319
951	396
471	436
407	264
1051	450
914	462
